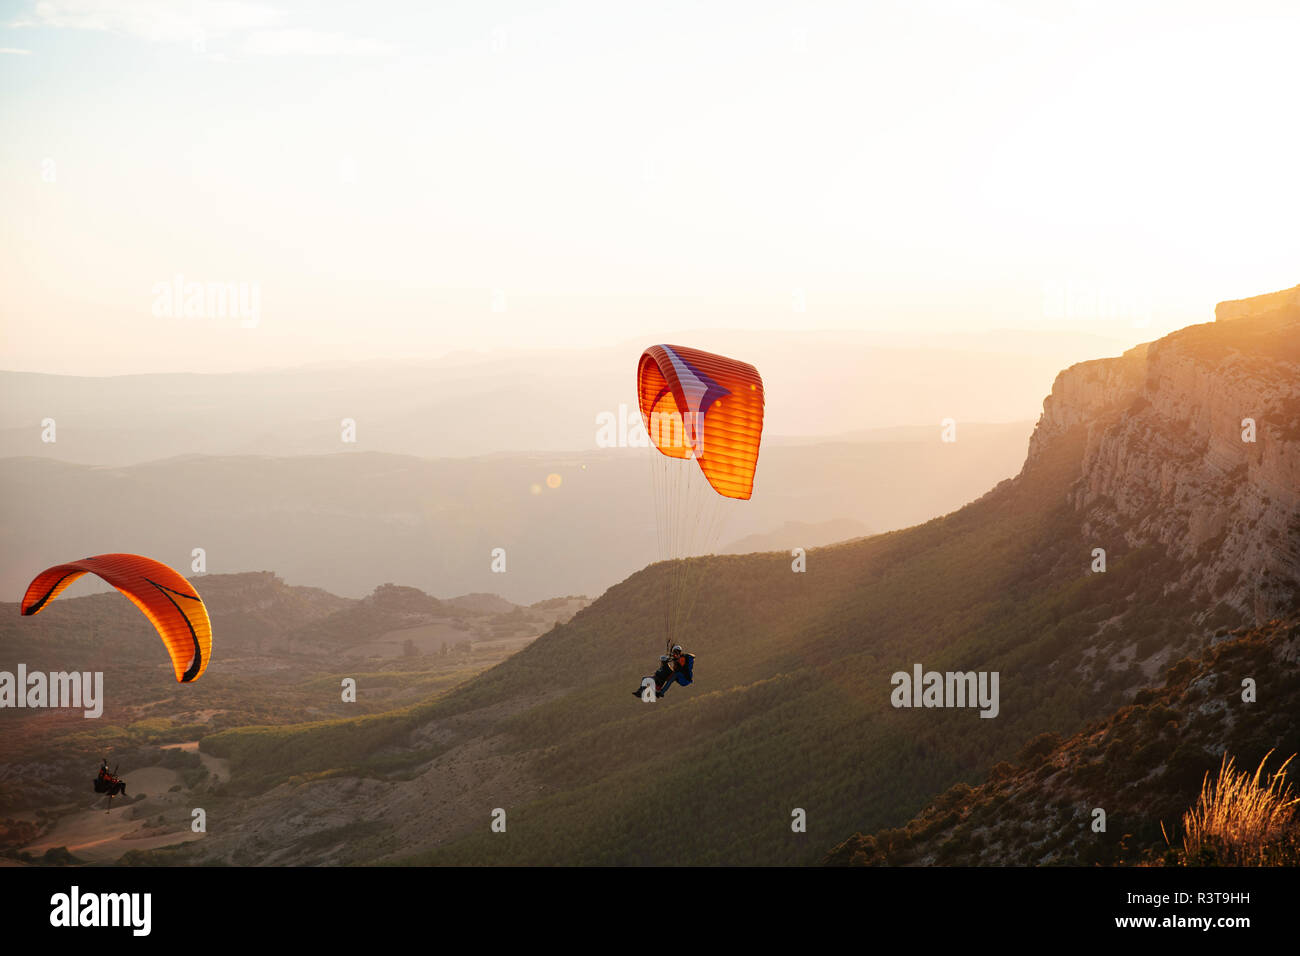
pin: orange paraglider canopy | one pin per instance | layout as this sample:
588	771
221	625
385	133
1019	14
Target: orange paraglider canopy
167	599
708	407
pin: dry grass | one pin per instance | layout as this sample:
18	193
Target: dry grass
1243	819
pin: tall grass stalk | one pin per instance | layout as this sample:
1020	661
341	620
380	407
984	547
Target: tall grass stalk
1241	819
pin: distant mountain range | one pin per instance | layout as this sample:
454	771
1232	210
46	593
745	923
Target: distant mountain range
350	522
467	405
799	534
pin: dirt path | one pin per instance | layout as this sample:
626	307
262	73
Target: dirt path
97	836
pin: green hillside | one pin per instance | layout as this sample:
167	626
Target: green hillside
791	704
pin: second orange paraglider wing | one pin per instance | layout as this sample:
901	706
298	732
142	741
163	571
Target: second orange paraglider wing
169	602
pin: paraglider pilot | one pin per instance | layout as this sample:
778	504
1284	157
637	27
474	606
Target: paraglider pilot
108	783
677	667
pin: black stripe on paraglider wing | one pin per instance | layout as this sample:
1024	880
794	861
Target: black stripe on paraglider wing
50	593
163	587
197	663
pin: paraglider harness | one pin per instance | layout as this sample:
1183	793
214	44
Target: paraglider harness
670	672
107	781
670	669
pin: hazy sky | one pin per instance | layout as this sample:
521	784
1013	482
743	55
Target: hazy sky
403	179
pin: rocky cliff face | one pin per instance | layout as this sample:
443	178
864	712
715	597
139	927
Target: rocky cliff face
1174	461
